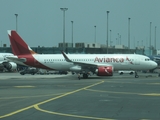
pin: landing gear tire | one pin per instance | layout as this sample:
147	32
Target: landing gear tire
136	76
85	75
22	73
32	73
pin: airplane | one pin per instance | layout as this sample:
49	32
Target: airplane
155	58
6	64
100	64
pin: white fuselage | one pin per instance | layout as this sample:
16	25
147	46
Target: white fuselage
118	61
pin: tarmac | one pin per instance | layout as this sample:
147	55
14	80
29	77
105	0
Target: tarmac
64	97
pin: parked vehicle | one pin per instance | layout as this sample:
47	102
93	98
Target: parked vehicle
126	72
29	70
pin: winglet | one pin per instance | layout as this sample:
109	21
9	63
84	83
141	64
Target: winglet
66	58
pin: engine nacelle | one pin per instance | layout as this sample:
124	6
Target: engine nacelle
104	71
10	66
76	68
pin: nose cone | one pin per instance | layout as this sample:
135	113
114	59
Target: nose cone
154	64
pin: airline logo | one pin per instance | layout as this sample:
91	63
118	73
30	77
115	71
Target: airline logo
106	70
129	60
117	60
112	60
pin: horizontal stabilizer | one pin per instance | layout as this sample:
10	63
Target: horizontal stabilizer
17	59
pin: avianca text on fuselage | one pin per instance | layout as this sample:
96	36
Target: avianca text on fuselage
107	60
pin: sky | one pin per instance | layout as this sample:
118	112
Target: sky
40	22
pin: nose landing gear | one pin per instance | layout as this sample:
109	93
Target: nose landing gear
136	75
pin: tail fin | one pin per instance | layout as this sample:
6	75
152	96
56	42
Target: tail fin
19	47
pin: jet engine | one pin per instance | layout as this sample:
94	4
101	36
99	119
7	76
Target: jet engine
76	68
104	71
10	66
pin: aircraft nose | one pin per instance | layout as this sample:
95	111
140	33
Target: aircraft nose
154	64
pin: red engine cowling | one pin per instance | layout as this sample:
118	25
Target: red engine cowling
104	71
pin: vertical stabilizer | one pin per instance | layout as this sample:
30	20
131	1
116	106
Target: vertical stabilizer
19	47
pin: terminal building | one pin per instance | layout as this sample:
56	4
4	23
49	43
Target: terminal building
88	48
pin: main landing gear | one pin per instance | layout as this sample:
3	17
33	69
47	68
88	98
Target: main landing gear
136	75
85	75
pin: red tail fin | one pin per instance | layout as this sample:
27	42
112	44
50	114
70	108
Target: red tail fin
19	47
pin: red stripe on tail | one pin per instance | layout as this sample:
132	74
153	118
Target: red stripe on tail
19	47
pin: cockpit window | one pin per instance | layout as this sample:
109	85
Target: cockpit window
147	59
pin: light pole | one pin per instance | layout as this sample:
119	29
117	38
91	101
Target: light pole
107	31
16	22
150	40
110	38
129	33
72	33
155	38
118	39
64	9
116	42
95	34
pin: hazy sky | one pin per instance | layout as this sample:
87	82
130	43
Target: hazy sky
40	22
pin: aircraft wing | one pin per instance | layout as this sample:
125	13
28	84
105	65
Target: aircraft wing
157	58
14	58
83	64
